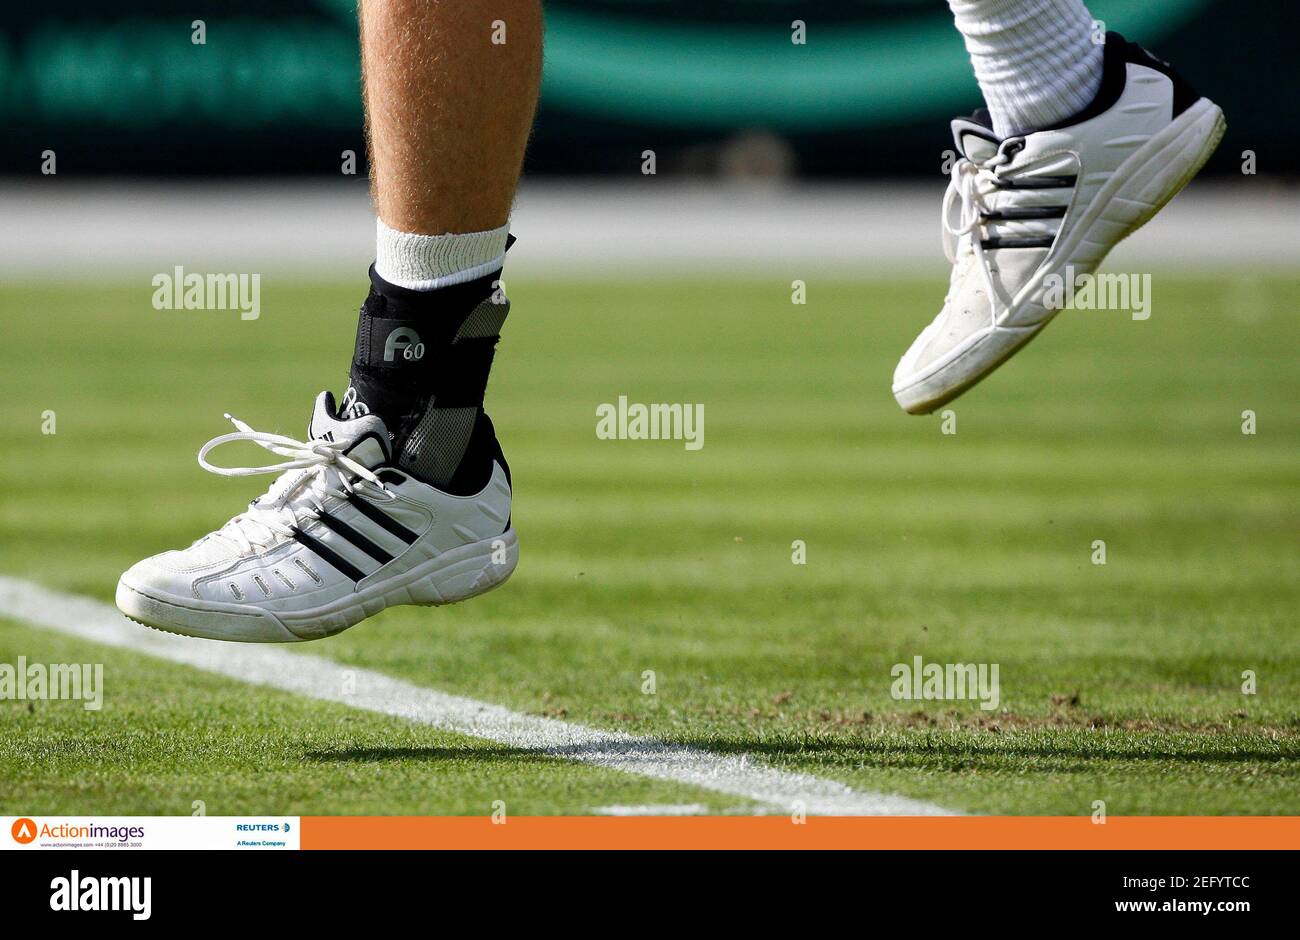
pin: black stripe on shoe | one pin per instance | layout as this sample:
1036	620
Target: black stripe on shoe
383	520
1037	182
1029	212
328	554
1043	241
345	531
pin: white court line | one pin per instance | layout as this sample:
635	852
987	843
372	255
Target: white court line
654	809
736	775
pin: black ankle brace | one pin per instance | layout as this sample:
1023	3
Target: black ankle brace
422	362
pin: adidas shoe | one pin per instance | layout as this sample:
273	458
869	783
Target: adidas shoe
341	534
1021	209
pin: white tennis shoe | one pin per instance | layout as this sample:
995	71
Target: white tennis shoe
340	535
1051	202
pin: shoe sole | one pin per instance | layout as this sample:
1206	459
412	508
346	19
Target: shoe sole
1142	186
453	576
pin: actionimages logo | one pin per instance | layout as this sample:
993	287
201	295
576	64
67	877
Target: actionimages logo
24	830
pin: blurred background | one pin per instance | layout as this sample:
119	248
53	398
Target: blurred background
713	86
840	139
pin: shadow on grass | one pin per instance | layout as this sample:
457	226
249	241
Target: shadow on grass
382	755
858	752
829	752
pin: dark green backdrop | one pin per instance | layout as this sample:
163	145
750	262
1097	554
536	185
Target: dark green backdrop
274	89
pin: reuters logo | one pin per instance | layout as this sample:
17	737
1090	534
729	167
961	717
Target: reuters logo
24	830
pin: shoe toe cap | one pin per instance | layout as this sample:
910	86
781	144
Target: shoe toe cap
908	364
155	576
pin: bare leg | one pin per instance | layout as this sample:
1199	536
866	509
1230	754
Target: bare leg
448	109
450	91
448	113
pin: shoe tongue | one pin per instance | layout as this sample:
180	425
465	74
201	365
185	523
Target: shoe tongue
974	136
366	434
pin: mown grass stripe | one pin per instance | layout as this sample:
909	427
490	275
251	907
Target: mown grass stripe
738	775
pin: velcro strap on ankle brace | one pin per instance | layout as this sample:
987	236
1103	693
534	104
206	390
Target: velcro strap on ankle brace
405	344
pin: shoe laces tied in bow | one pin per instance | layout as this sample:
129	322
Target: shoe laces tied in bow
316	470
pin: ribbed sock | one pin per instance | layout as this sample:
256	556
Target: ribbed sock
428	262
1035	60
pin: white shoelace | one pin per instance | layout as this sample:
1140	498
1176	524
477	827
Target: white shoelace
288	503
971	183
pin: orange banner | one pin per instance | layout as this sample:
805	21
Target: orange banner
816	832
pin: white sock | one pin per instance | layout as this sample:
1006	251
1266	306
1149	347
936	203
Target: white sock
1035	60
427	262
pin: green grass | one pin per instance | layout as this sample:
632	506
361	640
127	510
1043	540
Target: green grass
169	735
1119	682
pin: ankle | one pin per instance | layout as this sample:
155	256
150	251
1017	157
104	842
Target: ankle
422	363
